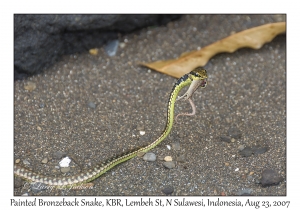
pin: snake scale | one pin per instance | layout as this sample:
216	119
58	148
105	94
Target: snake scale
195	78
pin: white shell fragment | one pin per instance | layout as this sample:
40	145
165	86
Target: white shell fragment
65	162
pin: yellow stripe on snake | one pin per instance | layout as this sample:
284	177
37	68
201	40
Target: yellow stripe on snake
195	78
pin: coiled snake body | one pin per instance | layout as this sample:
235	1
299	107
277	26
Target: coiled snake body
195	78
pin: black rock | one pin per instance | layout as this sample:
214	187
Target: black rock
225	138
270	177
168	190
259	150
40	40
246	152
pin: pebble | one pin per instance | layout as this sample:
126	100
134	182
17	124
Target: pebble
59	155
142	133
111	47
168	190
26	162
176	146
65	169
259	150
169	164
17	161
241	147
246	152
169	147
149	157
225	138
234	132
42	105
270	177
45	160
91	105
30	86
93	51
226	164
168	158
37	187
38	128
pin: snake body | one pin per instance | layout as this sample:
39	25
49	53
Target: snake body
197	76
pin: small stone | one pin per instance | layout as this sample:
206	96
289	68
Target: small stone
38	128
246	152
234	133
42	105
26	162
17	161
91	105
93	51
122	45
168	190
237	169
251	173
259	150
65	169
241	147
176	146
45	160
232	140
169	147
226	164
169	164
111	47
149	157
30	86
225	138
270	177
168	158
59	155
142	133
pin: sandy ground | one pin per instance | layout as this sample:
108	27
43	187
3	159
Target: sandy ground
246	91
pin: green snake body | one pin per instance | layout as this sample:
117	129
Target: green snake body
198	76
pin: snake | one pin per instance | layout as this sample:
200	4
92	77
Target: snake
196	78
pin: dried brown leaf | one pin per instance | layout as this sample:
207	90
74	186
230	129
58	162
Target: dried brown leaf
253	38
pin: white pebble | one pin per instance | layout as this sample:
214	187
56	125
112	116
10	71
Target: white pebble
65	162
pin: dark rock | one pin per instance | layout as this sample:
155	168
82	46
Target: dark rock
270	177
225	138
259	150
40	40
234	133
168	190
59	155
169	164
92	105
246	152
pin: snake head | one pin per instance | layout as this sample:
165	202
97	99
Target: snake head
199	73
